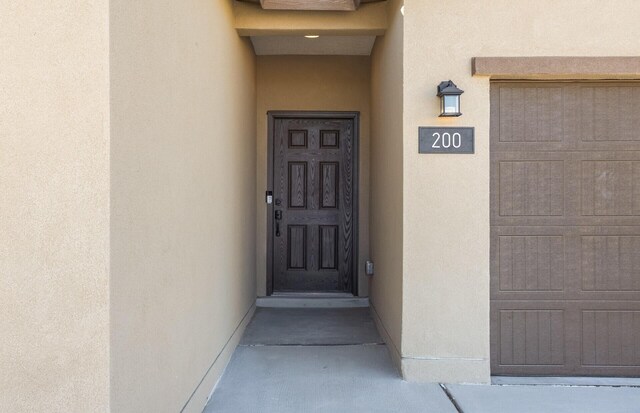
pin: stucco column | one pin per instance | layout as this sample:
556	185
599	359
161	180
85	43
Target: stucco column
445	322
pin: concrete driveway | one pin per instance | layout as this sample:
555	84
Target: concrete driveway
545	399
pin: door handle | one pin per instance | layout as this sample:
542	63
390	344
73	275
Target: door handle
278	219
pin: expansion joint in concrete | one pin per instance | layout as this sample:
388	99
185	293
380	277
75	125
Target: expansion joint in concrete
313	345
451	398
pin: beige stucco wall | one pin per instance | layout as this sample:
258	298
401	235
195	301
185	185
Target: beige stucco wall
129	158
319	83
386	221
445	329
54	206
182	197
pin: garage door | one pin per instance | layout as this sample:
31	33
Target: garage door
565	236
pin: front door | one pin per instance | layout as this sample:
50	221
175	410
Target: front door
313	215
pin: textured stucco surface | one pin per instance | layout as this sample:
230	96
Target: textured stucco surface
445	331
318	83
387	181
149	108
183	208
54	206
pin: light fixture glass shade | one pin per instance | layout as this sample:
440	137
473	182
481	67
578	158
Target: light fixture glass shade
451	105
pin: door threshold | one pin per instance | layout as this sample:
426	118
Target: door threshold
312	295
314	300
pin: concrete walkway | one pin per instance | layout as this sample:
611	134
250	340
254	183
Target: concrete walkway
332	360
546	399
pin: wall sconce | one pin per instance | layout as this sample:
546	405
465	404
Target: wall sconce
449	95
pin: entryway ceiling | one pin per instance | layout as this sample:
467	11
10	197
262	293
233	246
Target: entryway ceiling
296	32
329	5
323	45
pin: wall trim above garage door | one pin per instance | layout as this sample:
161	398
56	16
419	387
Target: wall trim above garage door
557	67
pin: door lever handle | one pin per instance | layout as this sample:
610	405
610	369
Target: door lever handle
278	219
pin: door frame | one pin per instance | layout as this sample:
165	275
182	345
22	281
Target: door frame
297	114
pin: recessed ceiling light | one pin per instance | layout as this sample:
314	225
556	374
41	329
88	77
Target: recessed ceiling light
312	36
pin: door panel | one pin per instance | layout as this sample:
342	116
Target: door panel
565	228
314	168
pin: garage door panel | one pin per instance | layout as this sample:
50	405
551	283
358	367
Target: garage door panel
530	263
560	337
610	263
581	146
565	262
565	228
558	117
531	337
605	222
531	188
607	113
568	305
581	188
610	338
610	187
538	296
530	114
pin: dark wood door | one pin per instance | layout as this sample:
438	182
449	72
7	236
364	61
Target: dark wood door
313	218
